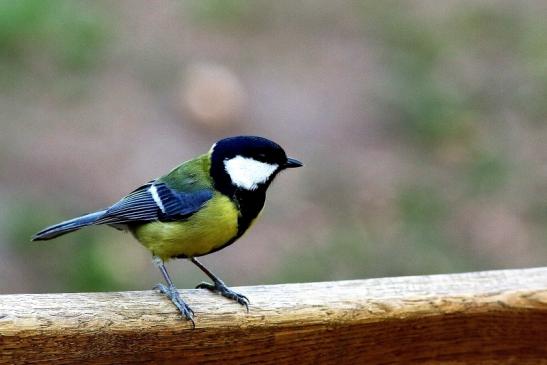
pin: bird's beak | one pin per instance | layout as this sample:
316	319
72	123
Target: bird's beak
291	163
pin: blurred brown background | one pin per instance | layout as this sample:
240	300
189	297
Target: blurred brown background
422	125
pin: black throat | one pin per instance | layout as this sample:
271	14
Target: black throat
248	202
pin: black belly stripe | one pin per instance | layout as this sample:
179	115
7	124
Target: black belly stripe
249	205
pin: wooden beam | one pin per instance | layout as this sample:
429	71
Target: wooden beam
495	317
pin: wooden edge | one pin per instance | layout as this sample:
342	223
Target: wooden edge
483	317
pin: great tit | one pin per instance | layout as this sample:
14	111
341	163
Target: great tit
200	207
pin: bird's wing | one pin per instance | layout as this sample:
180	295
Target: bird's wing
155	201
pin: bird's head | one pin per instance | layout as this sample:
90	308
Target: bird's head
247	163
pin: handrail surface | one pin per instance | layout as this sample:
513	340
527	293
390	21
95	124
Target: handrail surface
491	317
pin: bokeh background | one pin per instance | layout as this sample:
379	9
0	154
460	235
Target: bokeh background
422	125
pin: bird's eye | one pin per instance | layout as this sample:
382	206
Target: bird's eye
262	156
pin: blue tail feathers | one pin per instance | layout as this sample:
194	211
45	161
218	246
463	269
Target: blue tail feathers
68	226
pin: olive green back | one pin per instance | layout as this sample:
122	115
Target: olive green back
191	175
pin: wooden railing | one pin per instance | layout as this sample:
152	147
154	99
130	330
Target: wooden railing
495	317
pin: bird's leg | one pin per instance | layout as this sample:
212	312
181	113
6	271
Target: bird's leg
219	287
172	293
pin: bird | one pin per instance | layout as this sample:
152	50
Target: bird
199	207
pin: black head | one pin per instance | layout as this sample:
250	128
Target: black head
247	163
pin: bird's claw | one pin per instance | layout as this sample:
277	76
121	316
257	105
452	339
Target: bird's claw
226	292
172	293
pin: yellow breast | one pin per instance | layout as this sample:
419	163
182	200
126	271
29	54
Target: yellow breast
211	227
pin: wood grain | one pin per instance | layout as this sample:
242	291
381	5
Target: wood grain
495	317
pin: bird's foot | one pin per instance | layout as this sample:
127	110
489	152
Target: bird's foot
172	293
221	288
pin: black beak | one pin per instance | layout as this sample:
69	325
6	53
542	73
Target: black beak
291	163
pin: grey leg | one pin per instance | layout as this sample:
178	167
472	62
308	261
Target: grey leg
219	287
172	293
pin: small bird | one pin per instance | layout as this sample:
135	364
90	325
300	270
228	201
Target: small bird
200	207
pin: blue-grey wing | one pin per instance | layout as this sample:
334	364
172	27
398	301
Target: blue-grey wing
155	202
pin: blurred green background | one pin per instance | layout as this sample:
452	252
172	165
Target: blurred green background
422	125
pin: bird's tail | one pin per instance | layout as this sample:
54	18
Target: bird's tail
68	226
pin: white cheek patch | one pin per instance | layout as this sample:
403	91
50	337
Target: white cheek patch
247	173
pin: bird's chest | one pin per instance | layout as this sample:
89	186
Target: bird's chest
209	229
